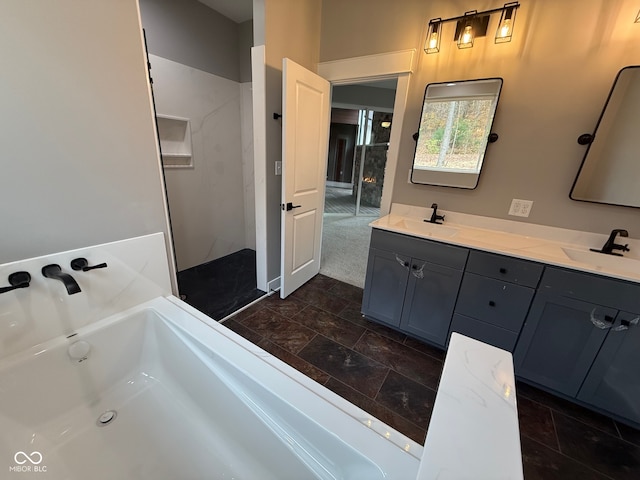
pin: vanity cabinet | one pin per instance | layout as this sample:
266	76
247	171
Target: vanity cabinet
412	284
572	333
494	298
580	340
613	382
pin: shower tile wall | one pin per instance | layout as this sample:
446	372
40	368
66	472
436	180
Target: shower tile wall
207	202
246	130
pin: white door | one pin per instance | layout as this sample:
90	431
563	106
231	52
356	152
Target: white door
305	138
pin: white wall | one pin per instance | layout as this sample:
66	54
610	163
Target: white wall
207	201
79	152
248	176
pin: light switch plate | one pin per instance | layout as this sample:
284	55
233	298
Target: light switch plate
520	208
278	167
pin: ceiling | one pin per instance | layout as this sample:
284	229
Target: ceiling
237	10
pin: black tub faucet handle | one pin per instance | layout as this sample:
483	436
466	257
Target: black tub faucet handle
83	264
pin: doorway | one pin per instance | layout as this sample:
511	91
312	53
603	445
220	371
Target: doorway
361	121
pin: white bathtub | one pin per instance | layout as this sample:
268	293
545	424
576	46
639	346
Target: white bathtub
193	401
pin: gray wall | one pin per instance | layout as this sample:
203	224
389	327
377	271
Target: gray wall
79	159
189	32
289	28
245	42
554	88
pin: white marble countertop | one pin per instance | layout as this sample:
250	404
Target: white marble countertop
473	432
549	245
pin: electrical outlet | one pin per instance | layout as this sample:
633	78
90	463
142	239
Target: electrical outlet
520	208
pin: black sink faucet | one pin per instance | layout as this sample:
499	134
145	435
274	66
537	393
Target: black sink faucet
434	215
54	271
610	244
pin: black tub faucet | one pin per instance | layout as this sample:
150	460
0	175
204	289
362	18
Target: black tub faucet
54	271
434	215
610	244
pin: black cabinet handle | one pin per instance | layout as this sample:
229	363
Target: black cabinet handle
83	264
503	270
492	303
415	267
406	264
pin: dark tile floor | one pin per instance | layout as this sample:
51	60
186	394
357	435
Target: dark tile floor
222	286
319	331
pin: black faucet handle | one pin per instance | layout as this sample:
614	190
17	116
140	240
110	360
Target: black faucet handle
83	264
17	280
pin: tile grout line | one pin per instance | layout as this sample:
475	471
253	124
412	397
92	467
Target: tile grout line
588	467
555	430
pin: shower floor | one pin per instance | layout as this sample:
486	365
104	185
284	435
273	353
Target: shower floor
222	286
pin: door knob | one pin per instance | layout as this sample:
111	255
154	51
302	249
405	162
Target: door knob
291	206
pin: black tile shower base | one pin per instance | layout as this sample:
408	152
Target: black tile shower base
222	286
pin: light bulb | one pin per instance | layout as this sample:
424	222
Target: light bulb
467	35
505	30
433	41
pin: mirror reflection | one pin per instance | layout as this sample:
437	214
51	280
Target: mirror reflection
610	169
454	130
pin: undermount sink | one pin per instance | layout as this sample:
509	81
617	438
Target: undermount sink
602	260
425	228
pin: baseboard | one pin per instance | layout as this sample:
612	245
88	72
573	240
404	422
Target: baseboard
273	285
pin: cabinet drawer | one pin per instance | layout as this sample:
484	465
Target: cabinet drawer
493	301
592	288
514	270
433	252
487	333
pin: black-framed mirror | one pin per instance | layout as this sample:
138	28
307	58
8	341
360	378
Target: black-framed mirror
454	130
610	169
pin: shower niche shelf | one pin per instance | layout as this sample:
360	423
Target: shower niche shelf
175	141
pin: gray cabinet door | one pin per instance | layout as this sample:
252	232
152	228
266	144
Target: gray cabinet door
385	285
560	340
429	301
613	383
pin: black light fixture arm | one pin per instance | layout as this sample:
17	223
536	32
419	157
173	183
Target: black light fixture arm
513	5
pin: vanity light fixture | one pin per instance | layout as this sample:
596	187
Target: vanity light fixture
474	24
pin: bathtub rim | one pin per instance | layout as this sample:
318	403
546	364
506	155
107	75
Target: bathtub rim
378	428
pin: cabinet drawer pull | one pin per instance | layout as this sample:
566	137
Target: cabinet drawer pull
492	303
402	261
503	270
626	324
601	324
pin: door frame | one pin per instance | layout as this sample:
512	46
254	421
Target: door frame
349	70
378	67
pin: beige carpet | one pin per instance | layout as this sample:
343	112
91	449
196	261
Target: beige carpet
345	247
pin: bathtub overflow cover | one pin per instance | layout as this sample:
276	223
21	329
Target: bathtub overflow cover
106	418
